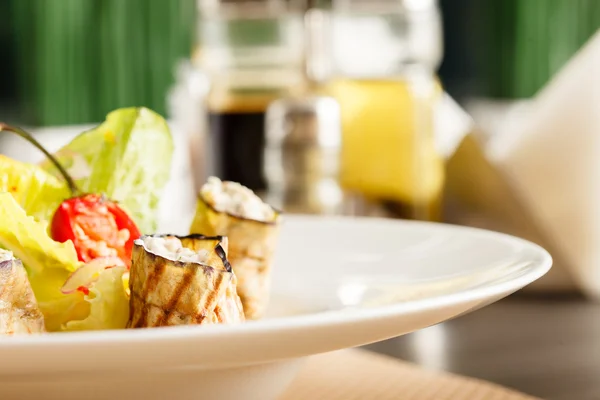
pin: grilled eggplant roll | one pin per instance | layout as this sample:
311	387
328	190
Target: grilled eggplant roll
252	227
182	281
19	312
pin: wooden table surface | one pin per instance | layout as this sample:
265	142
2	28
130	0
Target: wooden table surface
546	347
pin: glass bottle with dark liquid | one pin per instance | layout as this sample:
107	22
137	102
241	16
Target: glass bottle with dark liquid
236	133
252	52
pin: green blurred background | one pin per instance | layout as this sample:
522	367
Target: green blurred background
72	61
510	48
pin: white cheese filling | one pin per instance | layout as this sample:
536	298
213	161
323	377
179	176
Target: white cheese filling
171	248
5	255
235	199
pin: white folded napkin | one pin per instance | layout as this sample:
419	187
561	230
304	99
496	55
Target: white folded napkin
551	158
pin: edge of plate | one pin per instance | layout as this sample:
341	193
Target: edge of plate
537	269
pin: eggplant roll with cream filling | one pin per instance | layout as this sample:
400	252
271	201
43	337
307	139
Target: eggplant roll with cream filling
252	228
182	281
19	311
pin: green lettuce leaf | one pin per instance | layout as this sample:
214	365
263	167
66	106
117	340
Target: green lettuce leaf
48	263
35	190
127	157
108	303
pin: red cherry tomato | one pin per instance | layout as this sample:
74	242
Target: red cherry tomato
97	227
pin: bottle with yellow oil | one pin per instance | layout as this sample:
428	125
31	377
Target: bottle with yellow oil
384	56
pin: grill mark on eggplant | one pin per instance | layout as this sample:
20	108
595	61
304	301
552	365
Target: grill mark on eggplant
132	307
211	298
152	306
188	278
152	281
153	269
134	317
219	313
200	317
218	282
131	322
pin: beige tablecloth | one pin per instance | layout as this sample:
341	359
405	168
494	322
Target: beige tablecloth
361	375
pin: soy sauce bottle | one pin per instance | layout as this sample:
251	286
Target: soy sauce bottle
236	136
252	52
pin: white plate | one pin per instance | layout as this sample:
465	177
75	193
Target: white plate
337	283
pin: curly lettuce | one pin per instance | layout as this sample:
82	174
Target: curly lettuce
49	264
35	190
127	157
108	303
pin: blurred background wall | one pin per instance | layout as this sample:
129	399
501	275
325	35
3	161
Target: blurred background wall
510	48
72	61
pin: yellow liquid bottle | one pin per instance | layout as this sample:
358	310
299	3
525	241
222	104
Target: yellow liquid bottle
388	147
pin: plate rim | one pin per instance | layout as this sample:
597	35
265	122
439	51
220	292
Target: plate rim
536	269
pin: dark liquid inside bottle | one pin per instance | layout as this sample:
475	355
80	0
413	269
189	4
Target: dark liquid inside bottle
237	142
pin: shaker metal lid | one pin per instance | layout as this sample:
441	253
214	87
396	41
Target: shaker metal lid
312	121
397	5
